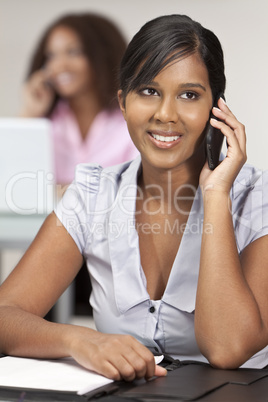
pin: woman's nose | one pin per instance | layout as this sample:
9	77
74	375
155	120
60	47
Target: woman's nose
167	111
58	62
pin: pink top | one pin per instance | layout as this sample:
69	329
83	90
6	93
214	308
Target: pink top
107	142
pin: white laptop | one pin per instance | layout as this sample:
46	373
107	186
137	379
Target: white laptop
26	166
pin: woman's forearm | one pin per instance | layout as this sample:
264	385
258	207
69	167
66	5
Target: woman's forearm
25	334
114	356
228	322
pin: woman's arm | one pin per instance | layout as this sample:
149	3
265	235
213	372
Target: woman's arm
231	317
44	272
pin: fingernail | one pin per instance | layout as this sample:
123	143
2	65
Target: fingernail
223	100
213	120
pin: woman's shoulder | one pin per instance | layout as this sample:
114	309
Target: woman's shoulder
248	179
93	178
94	172
92	193
250	205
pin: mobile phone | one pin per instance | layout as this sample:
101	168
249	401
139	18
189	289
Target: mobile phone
214	140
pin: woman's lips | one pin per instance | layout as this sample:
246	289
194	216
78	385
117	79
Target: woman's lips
164	139
63	79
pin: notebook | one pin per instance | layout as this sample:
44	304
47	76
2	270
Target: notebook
26	166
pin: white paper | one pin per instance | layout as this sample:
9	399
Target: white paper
158	359
59	375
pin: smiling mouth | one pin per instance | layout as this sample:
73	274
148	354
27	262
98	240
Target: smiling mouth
63	79
165	138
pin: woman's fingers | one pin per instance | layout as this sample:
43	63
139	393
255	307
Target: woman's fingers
224	175
143	364
230	127
134	360
37	95
160	371
119	357
224	114
38	84
234	135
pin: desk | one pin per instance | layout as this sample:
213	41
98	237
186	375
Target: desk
191	382
17	232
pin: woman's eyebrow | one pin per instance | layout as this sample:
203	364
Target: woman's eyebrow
193	85
153	83
185	85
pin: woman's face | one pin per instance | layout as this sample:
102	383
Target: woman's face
68	69
167	117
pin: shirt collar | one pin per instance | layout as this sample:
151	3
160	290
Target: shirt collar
125	256
124	243
182	284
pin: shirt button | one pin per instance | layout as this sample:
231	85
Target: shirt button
152	309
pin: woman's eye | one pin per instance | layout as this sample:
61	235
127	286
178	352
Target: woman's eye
148	92
72	52
189	95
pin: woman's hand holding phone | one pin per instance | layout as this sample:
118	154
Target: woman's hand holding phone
38	95
223	176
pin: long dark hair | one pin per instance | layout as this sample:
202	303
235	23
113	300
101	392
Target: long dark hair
169	38
103	45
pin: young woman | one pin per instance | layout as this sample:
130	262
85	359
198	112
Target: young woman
73	81
177	253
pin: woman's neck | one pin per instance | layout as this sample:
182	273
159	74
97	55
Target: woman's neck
174	188
85	108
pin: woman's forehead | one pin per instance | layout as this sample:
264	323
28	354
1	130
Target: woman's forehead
187	68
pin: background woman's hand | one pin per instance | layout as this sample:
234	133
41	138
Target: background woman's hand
38	95
119	357
222	178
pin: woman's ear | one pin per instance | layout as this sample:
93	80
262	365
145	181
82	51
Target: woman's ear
121	102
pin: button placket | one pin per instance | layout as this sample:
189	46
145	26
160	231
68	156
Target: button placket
152	322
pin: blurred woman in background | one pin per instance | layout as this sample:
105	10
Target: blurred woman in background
72	80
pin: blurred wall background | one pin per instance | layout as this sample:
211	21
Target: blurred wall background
241	26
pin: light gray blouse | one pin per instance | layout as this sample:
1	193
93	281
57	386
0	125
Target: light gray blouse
98	210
